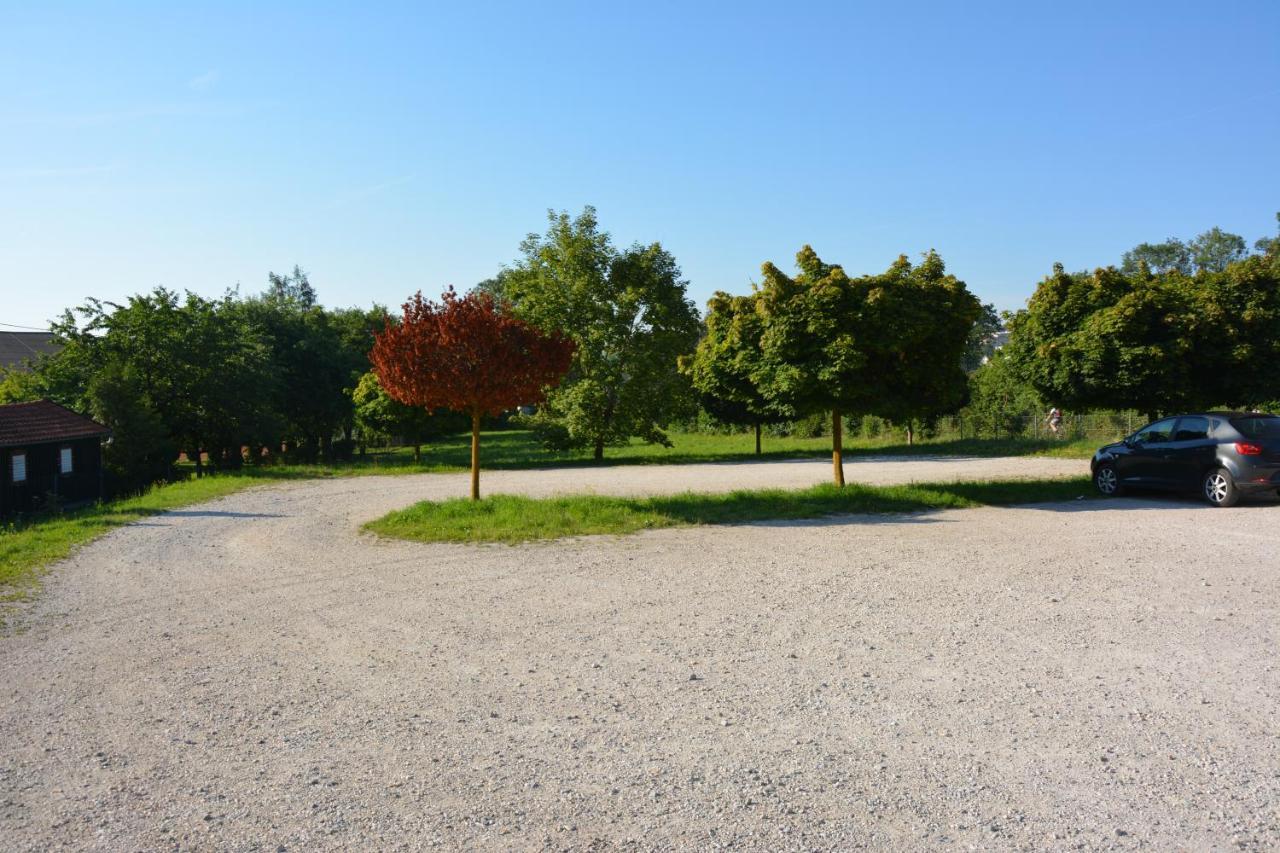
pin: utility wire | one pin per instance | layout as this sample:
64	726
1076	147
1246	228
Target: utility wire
28	328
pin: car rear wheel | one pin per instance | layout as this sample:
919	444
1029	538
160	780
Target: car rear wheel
1219	489
1107	481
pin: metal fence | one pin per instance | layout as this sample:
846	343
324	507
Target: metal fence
1094	426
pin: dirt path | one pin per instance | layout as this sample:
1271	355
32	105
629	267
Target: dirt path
254	674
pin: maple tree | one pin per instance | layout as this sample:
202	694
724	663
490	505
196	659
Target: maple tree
470	355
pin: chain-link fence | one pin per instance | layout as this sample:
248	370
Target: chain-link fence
1094	426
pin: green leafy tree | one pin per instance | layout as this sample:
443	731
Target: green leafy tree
726	360
982	338
1107	340
316	355
140	451
918	323
1172	255
21	386
1236	317
998	398
1269	245
292	287
1215	249
203	369
813	353
1211	251
889	345
379	414
629	315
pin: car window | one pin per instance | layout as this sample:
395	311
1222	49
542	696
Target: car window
1191	429
1158	431
1257	427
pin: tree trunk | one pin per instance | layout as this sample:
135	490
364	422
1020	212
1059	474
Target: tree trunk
475	457
417	454
199	460
911	433
757	438
837	448
599	451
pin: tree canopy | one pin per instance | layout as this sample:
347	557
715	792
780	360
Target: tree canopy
919	323
378	414
1156	342
889	344
629	315
470	355
727	360
1210	251
174	373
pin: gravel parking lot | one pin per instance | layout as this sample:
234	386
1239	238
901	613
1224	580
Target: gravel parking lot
255	674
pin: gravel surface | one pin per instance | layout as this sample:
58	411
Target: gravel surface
255	674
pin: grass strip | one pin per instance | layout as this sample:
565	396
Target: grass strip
513	519
27	547
521	450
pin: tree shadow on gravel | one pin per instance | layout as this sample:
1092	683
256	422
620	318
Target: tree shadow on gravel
210	513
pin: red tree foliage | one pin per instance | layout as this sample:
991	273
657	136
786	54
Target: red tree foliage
468	355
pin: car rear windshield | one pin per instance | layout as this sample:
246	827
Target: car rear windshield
1259	427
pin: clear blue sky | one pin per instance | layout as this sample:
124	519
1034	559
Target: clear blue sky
201	145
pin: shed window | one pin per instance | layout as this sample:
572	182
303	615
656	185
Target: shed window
19	467
64	460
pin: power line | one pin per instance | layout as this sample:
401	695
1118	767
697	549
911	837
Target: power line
28	328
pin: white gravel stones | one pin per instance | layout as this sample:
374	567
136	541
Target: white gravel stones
255	674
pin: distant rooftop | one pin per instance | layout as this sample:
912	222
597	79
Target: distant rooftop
42	422
19	349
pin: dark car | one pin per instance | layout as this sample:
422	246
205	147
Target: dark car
1222	455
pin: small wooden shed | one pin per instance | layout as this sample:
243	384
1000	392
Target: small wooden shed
48	455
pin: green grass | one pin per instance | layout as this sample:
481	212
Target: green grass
511	449
27	547
512	519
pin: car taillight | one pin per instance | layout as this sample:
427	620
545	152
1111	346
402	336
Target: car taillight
1244	448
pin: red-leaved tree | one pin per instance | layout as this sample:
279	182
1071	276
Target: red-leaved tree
468	355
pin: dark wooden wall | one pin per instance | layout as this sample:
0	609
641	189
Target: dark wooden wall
82	485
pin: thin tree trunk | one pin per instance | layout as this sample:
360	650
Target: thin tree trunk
837	448
911	433
475	457
417	454
599	451
757	438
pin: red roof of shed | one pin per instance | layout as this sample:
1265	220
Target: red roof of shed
43	422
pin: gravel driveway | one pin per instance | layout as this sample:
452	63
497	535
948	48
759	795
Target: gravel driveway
253	673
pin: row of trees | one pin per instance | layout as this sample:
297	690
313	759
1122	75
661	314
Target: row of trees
591	334
177	373
890	345
1177	326
606	342
607	345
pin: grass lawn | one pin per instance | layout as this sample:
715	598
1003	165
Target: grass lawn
520	449
27	547
513	519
